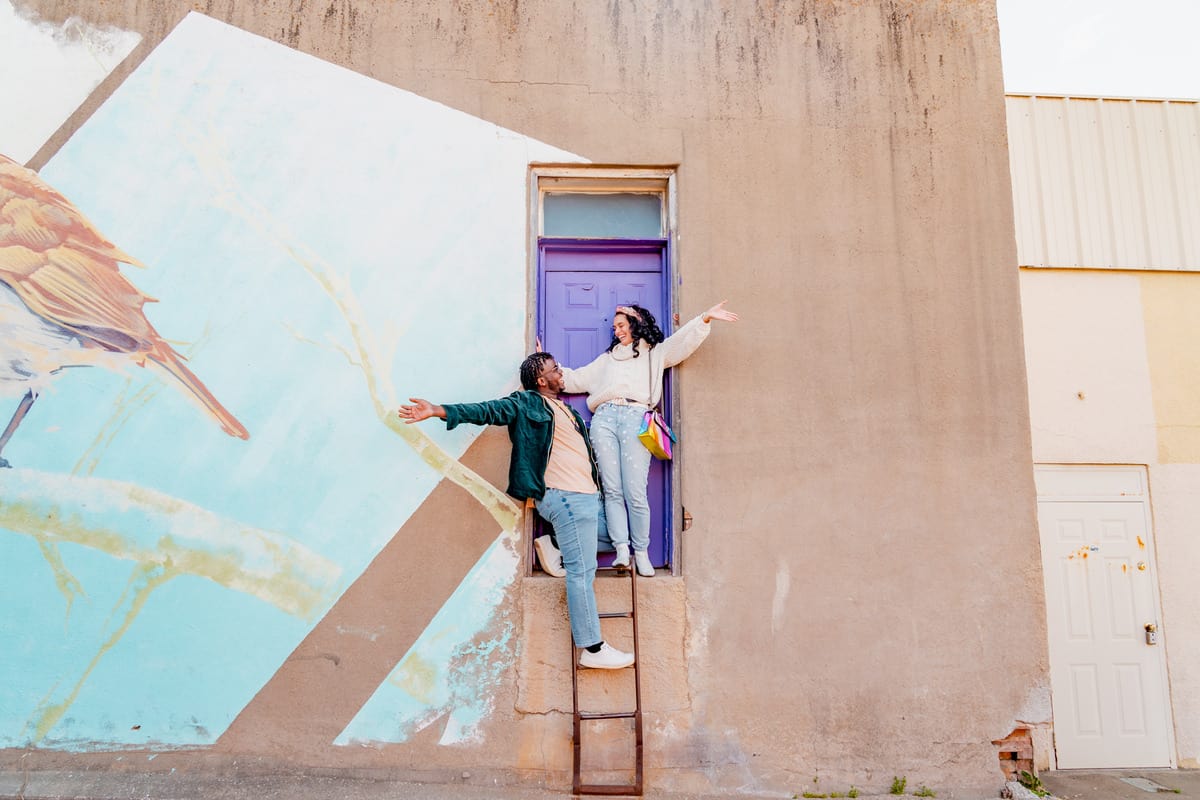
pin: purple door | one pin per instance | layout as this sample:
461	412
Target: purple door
580	283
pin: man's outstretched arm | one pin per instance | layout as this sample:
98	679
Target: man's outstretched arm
492	412
419	410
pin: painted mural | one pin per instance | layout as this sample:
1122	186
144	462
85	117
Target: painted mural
177	518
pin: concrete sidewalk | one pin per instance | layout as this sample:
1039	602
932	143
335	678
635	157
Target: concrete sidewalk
1122	784
101	784
106	785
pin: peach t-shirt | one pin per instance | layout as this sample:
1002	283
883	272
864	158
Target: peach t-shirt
570	467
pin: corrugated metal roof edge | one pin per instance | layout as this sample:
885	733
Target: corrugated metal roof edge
1057	96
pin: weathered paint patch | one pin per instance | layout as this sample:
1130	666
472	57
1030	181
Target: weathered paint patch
454	667
783	582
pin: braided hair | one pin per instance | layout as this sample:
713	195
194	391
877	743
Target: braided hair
531	369
645	328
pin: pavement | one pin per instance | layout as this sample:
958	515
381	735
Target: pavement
98	784
95	785
102	784
109	785
1122	784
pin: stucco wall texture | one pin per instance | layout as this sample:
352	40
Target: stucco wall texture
860	593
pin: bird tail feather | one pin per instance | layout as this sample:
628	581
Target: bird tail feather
172	363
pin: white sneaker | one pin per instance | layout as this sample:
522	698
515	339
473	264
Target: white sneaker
549	556
642	559
608	658
622	559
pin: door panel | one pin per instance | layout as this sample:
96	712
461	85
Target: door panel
579	292
1108	684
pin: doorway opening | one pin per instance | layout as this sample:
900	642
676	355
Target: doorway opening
602	240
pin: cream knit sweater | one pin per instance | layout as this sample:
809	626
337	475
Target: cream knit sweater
617	373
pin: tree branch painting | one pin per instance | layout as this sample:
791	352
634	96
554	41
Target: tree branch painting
133	523
373	359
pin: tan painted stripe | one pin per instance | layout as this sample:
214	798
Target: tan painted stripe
317	692
1169	304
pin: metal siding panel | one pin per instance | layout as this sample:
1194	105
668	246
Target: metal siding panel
1058	200
1022	159
1124	179
1158	194
1183	127
1106	182
1091	183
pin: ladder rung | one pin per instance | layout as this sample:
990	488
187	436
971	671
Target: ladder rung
608	715
635	788
605	788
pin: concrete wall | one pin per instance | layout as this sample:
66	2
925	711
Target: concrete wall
1113	379
859	595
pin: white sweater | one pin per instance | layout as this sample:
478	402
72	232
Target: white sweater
617	373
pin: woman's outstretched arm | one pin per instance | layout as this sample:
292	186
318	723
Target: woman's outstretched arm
719	312
683	342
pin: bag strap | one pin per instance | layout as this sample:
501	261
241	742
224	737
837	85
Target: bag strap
657	407
650	382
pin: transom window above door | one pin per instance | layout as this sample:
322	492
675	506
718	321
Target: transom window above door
602	203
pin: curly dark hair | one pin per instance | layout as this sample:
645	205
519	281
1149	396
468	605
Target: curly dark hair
642	329
531	369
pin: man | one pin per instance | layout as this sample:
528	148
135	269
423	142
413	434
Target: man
553	463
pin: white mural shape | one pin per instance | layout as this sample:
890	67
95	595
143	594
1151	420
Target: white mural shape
58	66
318	243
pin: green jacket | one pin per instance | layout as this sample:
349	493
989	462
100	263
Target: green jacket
531	429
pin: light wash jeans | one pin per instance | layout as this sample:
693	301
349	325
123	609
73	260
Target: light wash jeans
624	468
578	521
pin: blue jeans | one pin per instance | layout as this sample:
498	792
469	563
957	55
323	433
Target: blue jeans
624	468
579	526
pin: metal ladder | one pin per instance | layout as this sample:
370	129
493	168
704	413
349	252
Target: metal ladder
577	785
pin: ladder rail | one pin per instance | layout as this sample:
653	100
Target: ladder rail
578	787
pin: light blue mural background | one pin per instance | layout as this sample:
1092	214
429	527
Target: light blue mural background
420	207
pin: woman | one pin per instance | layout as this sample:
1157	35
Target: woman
622	384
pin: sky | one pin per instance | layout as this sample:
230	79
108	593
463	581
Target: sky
1116	48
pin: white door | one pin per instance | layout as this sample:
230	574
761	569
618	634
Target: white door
1108	683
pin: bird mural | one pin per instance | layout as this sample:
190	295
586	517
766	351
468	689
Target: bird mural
64	302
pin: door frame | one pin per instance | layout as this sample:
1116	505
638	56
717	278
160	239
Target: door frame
673	508
586	178
1126	483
